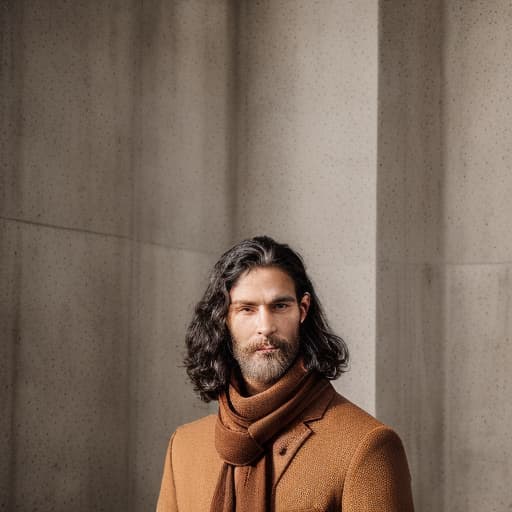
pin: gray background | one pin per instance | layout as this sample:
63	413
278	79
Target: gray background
140	139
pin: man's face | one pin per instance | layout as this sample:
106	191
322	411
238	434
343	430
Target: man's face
263	319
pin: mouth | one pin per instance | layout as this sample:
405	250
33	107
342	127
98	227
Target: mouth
267	350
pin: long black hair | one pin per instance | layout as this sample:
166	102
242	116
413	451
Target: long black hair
209	360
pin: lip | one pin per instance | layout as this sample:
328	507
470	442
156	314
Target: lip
267	349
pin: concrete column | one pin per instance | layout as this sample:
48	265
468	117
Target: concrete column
307	155
410	274
477	136
444	247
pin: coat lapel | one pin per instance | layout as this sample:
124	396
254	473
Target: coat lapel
288	444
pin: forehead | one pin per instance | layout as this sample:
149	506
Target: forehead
263	283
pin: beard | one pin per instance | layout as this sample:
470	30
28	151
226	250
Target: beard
265	367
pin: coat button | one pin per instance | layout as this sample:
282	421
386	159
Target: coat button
282	451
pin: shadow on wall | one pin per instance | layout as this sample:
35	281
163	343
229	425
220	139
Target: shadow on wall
410	274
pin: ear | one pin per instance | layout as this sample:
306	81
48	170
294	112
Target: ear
304	304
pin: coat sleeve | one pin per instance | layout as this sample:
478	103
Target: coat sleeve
167	497
378	478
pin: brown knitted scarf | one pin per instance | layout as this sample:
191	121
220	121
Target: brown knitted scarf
245	425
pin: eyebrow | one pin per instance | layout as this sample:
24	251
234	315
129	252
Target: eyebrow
282	298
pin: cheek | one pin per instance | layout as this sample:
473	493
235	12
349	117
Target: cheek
240	327
291	324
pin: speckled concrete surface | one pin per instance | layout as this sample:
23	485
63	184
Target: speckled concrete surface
478	250
444	249
307	153
168	284
184	171
477	129
69	387
347	293
115	193
478	441
410	370
71	77
139	139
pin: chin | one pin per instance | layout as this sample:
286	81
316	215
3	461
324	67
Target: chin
266	373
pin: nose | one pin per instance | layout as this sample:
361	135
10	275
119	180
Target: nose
266	325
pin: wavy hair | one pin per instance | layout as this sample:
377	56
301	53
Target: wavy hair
209	360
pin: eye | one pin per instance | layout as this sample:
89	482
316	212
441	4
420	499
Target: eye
281	306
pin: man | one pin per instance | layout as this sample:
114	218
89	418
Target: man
283	439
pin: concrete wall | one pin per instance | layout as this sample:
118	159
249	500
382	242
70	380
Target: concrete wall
444	247
477	115
308	151
140	139
183	205
115	202
410	370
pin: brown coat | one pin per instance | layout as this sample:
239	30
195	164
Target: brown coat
337	457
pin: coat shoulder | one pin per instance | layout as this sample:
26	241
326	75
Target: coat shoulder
197	434
350	416
346	424
197	427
